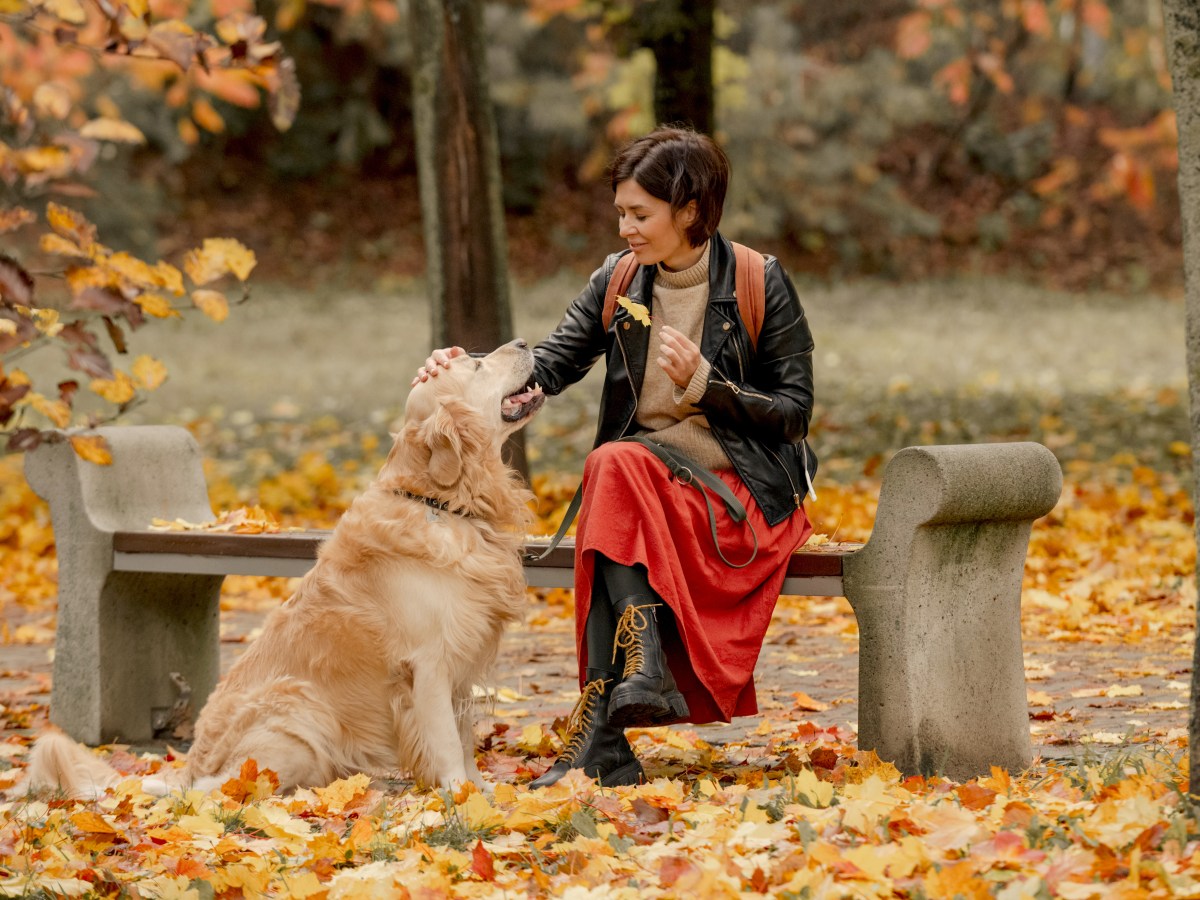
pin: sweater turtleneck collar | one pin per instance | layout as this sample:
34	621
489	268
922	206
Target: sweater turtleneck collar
694	275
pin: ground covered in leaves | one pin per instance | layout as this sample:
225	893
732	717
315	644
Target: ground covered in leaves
782	805
795	810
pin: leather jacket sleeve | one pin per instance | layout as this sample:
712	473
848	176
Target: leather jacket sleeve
568	353
773	400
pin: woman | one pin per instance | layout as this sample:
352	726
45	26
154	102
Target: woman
672	601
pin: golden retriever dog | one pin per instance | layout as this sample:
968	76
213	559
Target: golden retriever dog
370	665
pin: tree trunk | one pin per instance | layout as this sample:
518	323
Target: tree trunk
680	33
458	168
1183	52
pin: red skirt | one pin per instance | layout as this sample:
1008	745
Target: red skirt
633	512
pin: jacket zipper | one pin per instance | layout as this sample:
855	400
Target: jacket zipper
736	388
795	496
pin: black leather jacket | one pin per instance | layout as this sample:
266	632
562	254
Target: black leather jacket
758	401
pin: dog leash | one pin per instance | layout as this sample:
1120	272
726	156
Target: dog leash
685	471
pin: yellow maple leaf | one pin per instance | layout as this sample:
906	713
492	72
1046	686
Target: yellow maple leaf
133	269
93	823
55	410
156	305
217	257
479	813
71	225
169	277
149	372
118	389
80	278
212	303
811	790
635	309
92	447
54	161
338	795
47	321
117	130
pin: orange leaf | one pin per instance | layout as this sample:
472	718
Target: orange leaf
807	703
92	447
1098	17
14	217
212	303
913	35
1035	18
955	77
206	116
975	796
92	823
71	225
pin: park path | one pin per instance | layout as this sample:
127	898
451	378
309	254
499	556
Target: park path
1094	698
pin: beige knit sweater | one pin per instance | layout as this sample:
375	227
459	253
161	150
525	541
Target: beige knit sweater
666	412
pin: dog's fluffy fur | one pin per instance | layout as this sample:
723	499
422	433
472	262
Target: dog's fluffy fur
370	665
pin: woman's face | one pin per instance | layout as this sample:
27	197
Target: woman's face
653	233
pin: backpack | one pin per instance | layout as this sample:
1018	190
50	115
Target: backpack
750	288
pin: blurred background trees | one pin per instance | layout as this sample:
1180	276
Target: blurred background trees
896	137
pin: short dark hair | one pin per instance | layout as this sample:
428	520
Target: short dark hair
678	165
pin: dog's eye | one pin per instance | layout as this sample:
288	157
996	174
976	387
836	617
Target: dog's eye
478	364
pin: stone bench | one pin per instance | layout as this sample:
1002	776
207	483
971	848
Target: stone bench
936	591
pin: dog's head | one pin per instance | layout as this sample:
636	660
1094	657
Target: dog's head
456	422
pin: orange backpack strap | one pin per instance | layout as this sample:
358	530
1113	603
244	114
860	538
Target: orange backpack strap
751	288
618	284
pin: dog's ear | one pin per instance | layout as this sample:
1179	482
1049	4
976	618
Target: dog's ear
440	434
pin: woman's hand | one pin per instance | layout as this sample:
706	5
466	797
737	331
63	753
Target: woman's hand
438	359
678	356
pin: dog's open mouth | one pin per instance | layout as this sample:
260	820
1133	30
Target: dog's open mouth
523	404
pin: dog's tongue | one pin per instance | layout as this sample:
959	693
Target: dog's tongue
514	402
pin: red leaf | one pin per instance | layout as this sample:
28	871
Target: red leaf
24	331
16	285
90	362
481	862
824	758
648	814
24	439
116	335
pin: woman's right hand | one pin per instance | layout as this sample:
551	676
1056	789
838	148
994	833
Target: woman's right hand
438	359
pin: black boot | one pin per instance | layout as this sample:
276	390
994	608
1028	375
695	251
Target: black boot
592	743
647	694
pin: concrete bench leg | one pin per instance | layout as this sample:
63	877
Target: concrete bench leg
937	594
120	635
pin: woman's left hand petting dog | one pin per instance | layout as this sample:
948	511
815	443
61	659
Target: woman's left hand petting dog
369	667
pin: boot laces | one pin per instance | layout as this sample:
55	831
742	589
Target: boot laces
630	628
584	710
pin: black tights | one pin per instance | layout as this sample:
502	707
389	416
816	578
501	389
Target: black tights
611	582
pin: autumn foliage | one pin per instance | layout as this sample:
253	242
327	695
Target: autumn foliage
71	291
795	808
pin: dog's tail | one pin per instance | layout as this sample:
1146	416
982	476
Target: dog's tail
58	763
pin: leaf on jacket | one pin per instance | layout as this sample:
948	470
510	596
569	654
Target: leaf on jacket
635	309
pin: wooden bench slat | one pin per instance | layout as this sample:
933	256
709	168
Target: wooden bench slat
822	561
